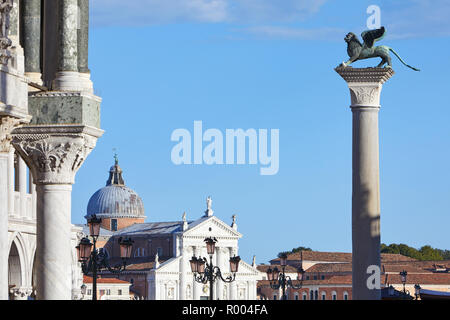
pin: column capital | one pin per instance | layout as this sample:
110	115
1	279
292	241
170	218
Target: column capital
365	85
54	153
7	125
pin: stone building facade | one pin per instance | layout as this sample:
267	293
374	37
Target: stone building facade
328	276
49	123
159	268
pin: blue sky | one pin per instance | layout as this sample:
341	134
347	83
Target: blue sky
160	65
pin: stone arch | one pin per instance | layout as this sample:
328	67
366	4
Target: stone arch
18	272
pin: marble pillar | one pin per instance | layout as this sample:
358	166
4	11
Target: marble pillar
3	226
22	178
365	89
54	153
83	36
7	124
183	272
224	270
31	17
11	183
68	77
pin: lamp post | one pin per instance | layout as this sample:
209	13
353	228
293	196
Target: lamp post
403	276
280	280
205	272
417	288
94	260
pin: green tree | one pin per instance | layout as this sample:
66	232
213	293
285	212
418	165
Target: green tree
424	253
294	250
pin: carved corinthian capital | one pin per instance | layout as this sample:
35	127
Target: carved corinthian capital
365	85
54	153
7	124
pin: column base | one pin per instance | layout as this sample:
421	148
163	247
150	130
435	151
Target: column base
73	81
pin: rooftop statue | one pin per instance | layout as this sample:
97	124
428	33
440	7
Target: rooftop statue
358	51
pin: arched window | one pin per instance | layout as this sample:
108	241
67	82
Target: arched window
324	295
296	296
311	295
345	295
305	296
334	295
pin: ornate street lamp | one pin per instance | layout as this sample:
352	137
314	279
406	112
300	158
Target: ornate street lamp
417	288
94	260
205	272
279	279
403	276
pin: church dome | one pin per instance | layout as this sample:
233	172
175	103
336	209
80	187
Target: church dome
115	200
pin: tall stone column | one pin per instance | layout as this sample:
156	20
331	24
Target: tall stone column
83	36
54	153
7	124
31	16
365	89
71	19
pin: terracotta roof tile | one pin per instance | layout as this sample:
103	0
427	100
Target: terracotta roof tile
339	257
87	279
264	267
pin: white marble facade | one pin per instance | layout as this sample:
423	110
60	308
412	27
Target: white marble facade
30	206
173	279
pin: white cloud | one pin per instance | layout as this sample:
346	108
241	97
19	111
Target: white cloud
147	12
296	33
417	18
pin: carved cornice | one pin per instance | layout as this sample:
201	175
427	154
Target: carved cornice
365	75
52	94
55	153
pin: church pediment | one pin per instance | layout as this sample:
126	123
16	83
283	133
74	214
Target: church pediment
211	227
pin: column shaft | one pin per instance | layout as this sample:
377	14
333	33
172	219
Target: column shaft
22	173
68	33
183	274
4	157
31	15
83	36
53	252
365	200
365	89
11	182
219	285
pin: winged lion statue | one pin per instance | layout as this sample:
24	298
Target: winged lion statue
358	51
